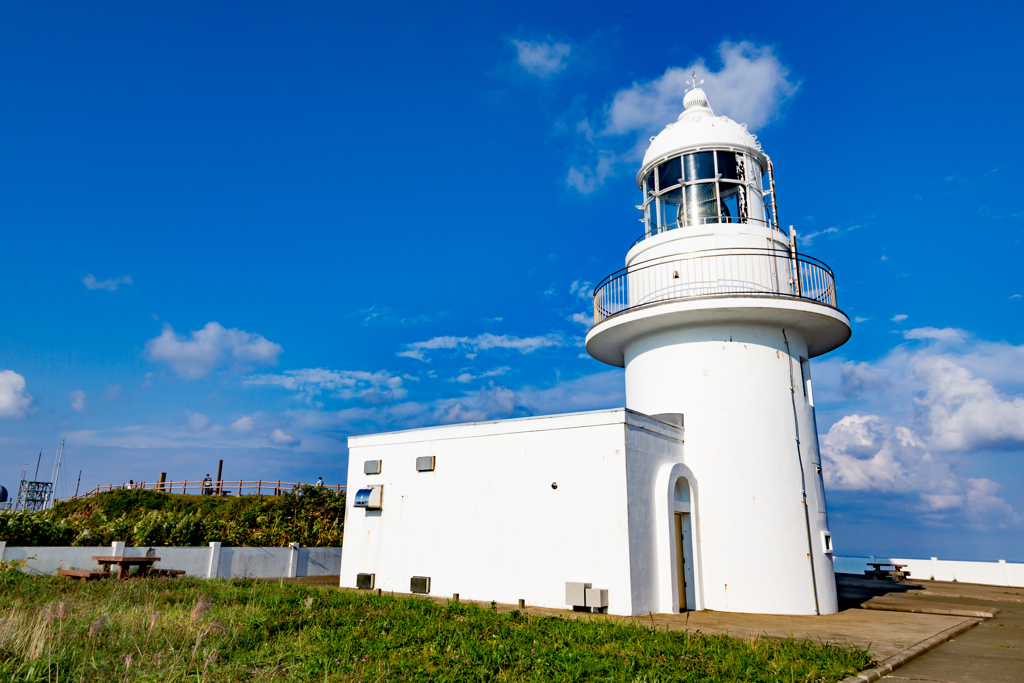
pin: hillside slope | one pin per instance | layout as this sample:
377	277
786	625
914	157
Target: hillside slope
310	516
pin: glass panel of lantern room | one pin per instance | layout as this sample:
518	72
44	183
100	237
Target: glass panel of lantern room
673	200
728	168
699	166
701	204
733	210
669	174
755	206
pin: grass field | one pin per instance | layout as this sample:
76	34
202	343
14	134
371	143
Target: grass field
241	630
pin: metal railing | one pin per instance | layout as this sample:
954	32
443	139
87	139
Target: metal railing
777	273
237	487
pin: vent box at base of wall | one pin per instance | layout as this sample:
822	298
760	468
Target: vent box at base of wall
365	581
420	584
371	467
368	498
425	464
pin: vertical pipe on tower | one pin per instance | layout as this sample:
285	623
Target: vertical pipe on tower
803	478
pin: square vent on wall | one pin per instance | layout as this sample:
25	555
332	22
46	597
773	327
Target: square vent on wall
365	581
420	584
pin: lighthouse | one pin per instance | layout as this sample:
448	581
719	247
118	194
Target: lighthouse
704	491
715	318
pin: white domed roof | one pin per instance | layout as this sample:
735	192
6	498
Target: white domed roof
697	127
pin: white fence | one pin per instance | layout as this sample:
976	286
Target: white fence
1001	573
213	561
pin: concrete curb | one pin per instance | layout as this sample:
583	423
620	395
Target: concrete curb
896	661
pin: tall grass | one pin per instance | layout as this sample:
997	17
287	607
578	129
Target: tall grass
238	630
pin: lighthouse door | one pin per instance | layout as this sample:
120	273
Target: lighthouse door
681	559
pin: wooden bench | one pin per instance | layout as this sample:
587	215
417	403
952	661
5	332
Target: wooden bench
83	574
897	572
170	573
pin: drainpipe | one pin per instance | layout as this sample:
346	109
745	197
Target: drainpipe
803	479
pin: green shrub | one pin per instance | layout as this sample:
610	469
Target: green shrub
310	516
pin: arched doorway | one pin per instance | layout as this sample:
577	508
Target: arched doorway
682	536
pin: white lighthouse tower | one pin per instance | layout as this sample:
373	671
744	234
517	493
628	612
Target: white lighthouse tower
715	318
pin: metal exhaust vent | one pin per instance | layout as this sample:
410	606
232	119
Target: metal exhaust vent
371	467
425	464
365	581
368	498
420	584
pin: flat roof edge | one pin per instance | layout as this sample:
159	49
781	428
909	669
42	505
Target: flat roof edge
614	415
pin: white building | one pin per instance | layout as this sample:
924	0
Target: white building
714	318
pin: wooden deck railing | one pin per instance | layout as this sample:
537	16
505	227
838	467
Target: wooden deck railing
226	487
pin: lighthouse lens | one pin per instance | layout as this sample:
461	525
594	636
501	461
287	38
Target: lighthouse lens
699	166
701	204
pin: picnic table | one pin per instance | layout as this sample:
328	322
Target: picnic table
897	572
125	563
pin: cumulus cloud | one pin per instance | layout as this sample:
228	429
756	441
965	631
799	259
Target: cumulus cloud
946	334
542	58
91	282
281	439
243	425
210	348
77	398
198	422
870	453
491	402
483	342
15	402
587	178
919	418
750	87
900	317
467	377
371	387
585	319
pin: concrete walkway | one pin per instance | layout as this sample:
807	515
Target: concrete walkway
991	653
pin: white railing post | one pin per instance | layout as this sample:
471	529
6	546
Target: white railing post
213	569
293	559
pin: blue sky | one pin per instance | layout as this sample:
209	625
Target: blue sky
246	232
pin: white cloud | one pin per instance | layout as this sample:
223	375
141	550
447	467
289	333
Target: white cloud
198	422
466	377
371	387
542	59
589	177
91	282
899	317
585	319
947	334
281	439
859	319
15	403
77	398
869	453
210	348
751	87
243	425
809	237
483	342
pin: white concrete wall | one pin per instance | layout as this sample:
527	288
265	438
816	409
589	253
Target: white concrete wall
732	384
487	524
228	562
999	573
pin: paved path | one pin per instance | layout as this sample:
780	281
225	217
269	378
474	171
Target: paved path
991	653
